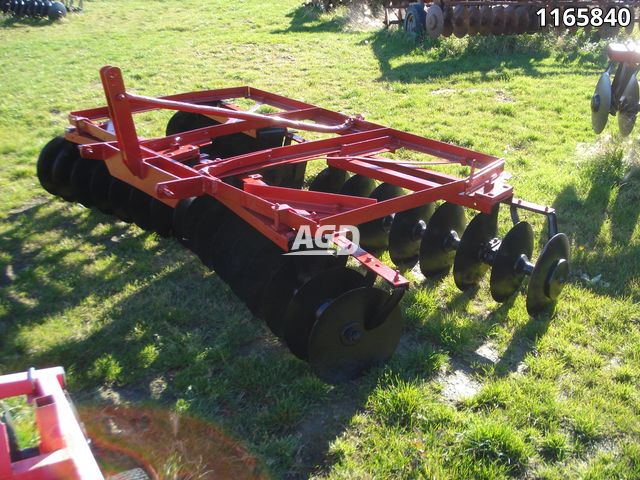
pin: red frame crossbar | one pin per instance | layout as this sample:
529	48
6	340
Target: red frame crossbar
158	166
64	451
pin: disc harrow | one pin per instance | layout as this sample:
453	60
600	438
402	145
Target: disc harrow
228	184
38	8
621	96
496	17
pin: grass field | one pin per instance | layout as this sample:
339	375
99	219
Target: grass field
476	389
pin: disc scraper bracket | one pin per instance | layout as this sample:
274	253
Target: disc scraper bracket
227	183
617	91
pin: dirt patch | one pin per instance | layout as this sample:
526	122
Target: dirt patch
443	91
458	383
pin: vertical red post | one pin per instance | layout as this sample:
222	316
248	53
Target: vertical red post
122	118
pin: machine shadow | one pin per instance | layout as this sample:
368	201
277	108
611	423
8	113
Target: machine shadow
487	58
309	19
166	330
17	22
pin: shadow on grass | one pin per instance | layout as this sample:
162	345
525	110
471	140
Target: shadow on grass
309	19
120	308
10	21
488	58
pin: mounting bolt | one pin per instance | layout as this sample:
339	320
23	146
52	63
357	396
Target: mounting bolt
121	96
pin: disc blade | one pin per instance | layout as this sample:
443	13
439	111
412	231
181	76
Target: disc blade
81	180
62	168
549	275
601	103
358	186
44	167
511	20
244	254
119	199
505	277
459	21
406	234
473	20
206	228
629	107
341	344
468	266
522	19
140	208
434	21
436	249
329	180
231	231
485	20
498	20
256	275
301	312
374	235
447	27
99	187
161	218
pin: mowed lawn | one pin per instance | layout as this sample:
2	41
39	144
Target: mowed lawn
476	389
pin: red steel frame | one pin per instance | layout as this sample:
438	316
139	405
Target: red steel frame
157	166
64	451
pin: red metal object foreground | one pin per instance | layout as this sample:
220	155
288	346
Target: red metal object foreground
63	452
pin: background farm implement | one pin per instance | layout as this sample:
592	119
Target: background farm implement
228	183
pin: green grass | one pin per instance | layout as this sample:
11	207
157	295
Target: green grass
122	309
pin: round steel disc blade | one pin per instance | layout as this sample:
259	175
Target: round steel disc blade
140	208
184	223
522	19
436	256
277	294
484	27
498	20
534	20
505	277
468	267
329	180
406	234
343	343
255	276
629	107
205	231
301	312
244	254
99	187
184	121
601	103
62	168
161	218
119	199
81	180
511	20
358	186
473	20
435	21
447	26
460	21
231	231
46	159
549	275
374	235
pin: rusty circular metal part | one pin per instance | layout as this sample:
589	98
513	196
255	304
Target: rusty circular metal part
44	166
460	16
506	277
434	21
522	19
486	19
301	312
349	338
511	20
601	103
628	106
549	276
473	20
329	180
498	20
469	266
447	26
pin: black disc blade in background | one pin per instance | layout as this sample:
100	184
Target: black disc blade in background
140	208
549	275
119	193
341	346
436	252
301	312
505	278
81	180
99	187
358	186
207	226
62	168
329	180
161	218
629	107
44	166
374	235
406	235
256	276
468	266
277	294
